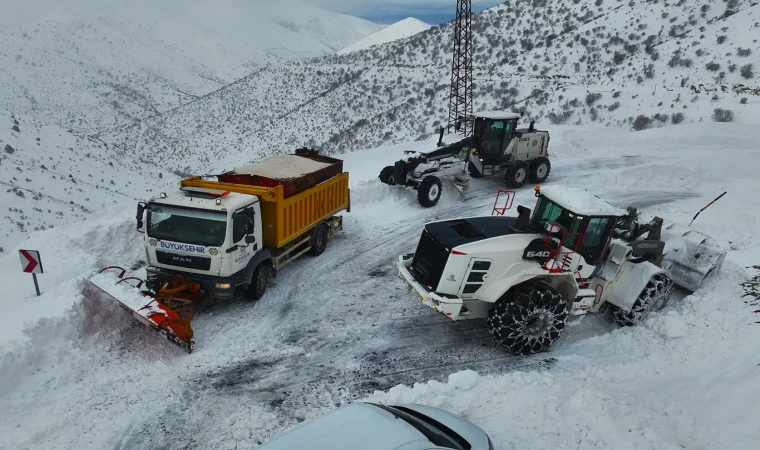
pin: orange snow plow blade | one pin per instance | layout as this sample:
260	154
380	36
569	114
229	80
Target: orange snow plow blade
169	311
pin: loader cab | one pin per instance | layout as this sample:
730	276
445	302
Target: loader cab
492	133
588	235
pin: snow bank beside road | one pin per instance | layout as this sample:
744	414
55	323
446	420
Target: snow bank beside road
688	378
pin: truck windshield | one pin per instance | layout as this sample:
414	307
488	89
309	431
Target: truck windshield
187	226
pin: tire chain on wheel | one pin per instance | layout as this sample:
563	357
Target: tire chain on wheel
506	320
659	284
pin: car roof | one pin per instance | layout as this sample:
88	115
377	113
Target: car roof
356	426
581	201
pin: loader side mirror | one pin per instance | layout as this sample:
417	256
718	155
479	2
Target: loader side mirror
140	212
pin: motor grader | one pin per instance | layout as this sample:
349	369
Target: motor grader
575	254
495	144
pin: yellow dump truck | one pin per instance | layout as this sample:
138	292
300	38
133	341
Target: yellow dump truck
226	238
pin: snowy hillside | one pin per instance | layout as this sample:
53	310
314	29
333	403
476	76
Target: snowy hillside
344	327
580	62
399	30
288	29
90	74
50	177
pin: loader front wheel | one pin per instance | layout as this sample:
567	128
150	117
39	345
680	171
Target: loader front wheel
654	297
516	174
386	176
528	318
429	191
539	169
259	281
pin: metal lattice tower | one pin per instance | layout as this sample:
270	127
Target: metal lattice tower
460	98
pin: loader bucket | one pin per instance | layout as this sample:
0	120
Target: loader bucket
169	311
690	256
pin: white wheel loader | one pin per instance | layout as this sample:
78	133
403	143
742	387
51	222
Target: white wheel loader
496	144
576	254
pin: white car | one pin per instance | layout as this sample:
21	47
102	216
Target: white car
371	426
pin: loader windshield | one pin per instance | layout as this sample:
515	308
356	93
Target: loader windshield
187	226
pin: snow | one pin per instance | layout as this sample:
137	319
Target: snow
89	376
496	115
282	167
399	30
581	201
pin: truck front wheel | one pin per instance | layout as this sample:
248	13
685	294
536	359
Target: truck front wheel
528	318
259	281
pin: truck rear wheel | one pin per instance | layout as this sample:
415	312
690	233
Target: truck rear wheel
259	281
654	297
528	319
319	239
429	191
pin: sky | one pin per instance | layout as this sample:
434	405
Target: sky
16	13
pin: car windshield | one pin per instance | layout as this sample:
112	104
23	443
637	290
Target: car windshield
187	226
435	432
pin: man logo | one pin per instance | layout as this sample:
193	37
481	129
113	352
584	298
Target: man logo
544	254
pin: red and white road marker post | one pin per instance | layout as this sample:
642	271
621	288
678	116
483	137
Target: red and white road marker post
31	263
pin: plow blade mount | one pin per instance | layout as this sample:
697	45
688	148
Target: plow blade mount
690	256
168	311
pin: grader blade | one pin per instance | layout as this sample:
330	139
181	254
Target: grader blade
689	256
169	311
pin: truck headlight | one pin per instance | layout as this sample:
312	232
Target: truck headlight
223	285
417	174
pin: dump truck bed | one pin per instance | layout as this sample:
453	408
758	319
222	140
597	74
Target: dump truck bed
285	219
295	173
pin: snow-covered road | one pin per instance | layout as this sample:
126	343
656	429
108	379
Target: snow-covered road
337	327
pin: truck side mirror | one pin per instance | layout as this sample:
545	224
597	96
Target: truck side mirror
249	226
250	239
140	212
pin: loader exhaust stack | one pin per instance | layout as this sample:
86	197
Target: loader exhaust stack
169	310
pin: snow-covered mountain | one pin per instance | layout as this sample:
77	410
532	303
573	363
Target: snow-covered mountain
576	62
286	28
399	30
90	74
50	177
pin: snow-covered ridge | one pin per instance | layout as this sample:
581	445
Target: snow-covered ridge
399	30
50	176
584	63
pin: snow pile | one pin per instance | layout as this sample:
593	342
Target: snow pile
399	30
685	379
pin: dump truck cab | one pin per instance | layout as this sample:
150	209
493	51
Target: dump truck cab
211	237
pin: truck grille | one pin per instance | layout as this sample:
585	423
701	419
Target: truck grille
187	261
429	261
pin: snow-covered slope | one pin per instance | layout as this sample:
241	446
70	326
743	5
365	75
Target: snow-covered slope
50	177
286	28
581	62
399	30
90	74
341	327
